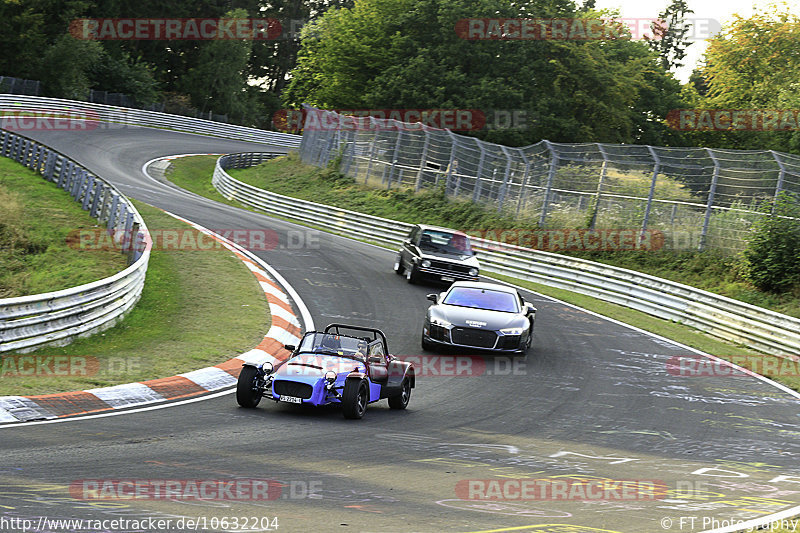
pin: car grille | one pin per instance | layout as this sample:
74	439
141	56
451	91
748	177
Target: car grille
509	342
474	337
450	267
438	333
292	388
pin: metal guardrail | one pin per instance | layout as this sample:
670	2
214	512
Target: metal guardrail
28	322
722	317
14	106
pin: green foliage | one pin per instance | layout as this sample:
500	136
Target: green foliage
671	42
406	54
773	252
64	68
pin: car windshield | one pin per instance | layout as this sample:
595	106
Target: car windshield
482	299
445	242
327	343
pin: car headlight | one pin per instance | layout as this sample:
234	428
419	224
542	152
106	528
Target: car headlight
473	271
440	322
512	331
330	376
425	263
266	367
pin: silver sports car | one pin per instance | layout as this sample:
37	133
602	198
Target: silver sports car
485	316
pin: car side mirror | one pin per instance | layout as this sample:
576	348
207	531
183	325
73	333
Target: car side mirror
432	297
289	347
529	309
407	242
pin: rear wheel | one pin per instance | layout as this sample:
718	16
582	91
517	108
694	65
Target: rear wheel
400	400
247	392
355	398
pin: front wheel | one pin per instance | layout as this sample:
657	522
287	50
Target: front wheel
400	400
247	392
355	398
412	276
426	344
399	269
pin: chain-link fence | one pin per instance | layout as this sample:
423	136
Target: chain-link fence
700	198
11	85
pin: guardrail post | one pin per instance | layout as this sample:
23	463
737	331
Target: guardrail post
4	147
112	213
64	174
711	192
651	193
50	166
89	190
551	174
422	160
599	186
98	194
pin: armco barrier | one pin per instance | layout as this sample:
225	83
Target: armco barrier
13	107
719	316
29	322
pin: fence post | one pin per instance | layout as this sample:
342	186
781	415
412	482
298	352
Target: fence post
50	166
779	185
422	160
89	190
373	148
476	189
599	186
506	175
651	193
711	192
551	174
525	177
395	156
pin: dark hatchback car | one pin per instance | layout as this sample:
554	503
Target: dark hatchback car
436	254
486	316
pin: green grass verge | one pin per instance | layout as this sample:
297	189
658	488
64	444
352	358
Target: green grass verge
286	175
35	219
198	308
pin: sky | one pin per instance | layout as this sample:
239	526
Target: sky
709	13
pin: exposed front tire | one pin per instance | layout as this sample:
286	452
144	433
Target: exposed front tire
247	393
355	398
400	400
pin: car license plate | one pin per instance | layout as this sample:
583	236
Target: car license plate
291	399
448	278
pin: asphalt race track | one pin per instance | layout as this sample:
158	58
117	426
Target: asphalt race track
592	401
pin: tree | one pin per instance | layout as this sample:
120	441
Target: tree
406	54
669	39
65	68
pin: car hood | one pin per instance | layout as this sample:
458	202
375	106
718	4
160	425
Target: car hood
476	318
315	366
468	260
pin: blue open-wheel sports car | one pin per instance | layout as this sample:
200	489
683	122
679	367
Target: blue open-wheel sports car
347	365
